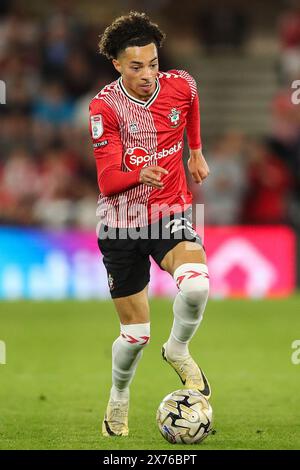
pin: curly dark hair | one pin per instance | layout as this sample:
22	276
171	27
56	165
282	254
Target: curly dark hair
134	29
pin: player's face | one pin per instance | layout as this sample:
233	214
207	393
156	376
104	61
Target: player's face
138	66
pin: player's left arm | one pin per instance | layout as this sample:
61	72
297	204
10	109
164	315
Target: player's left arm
197	164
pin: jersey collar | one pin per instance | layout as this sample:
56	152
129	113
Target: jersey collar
144	104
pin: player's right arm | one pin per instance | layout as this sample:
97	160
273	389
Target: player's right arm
108	150
197	164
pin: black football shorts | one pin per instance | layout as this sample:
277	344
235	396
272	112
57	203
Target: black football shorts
126	254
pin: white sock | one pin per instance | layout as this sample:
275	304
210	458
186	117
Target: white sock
126	353
188	308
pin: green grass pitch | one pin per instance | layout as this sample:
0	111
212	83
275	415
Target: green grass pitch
54	387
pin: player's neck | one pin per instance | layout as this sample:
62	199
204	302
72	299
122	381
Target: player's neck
135	95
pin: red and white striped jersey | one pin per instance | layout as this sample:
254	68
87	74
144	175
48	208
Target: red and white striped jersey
129	134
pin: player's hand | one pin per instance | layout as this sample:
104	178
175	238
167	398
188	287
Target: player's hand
152	175
197	166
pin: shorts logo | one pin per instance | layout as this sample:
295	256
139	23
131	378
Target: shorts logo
139	157
181	224
174	117
97	126
111	282
175	225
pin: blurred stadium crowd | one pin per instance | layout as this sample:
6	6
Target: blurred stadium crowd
52	70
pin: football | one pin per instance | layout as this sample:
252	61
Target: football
184	417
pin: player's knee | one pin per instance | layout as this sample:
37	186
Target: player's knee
196	292
193	282
136	335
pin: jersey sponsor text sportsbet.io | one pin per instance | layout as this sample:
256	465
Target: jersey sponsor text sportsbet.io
139	156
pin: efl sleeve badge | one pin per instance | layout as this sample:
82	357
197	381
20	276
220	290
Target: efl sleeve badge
97	126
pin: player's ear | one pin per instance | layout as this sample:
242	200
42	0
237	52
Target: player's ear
117	65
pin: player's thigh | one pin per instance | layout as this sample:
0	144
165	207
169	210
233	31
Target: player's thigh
128	269
133	308
183	252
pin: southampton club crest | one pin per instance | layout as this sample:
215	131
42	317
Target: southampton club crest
174	117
